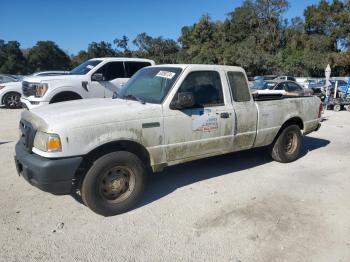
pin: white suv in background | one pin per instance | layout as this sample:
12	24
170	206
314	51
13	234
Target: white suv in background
98	77
10	92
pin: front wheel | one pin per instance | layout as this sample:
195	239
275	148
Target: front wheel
114	184
12	100
286	147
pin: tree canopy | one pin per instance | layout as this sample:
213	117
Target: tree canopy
254	35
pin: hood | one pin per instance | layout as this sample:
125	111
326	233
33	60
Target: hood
39	79
12	84
90	112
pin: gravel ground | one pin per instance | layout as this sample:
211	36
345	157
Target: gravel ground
237	207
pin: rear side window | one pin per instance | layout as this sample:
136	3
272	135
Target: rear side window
205	86
133	67
239	86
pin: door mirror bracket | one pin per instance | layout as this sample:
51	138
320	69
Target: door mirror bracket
183	100
97	77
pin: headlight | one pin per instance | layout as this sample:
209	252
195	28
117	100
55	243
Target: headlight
1	87
47	142
41	89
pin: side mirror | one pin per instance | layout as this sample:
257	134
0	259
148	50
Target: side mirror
97	77
184	100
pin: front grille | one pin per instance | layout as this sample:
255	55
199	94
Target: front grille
28	89
27	134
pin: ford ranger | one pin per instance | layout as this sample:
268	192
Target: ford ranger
98	77
165	115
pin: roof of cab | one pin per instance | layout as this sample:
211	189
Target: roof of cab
204	67
122	59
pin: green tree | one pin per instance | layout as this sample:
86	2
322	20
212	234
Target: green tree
123	43
94	50
46	55
157	48
12	60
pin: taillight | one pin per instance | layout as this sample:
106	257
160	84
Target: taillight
320	110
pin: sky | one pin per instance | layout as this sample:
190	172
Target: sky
73	24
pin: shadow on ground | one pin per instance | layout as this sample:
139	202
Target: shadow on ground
5	142
186	174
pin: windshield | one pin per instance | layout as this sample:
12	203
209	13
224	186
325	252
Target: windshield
150	84
85	67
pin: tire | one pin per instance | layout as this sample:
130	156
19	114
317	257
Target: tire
12	100
347	107
114	184
337	108
283	150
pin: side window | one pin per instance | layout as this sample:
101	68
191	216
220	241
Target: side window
281	86
239	86
292	87
205	86
112	70
133	67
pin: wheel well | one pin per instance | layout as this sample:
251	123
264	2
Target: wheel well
11	92
122	145
65	96
293	121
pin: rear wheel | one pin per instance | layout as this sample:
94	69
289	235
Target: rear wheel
347	107
114	184
337	108
286	147
12	100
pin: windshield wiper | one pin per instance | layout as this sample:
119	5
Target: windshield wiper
135	98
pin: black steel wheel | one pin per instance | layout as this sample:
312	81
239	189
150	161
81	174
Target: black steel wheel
114	184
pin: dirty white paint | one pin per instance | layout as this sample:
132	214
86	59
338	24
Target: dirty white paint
175	136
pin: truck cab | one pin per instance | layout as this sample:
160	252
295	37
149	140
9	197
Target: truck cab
95	78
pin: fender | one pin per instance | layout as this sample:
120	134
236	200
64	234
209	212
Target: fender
56	90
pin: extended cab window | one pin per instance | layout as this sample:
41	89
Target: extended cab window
239	86
133	67
205	86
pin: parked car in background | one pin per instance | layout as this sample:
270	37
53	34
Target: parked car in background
98	77
292	88
7	79
10	92
285	78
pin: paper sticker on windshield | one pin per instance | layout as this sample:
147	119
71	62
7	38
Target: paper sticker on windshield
166	74
89	66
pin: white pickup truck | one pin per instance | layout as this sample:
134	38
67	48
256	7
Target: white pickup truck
98	77
165	115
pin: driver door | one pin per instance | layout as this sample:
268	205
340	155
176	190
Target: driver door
204	129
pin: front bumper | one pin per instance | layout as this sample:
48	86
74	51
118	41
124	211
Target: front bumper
28	104
50	175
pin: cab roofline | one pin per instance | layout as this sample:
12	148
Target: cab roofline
122	59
